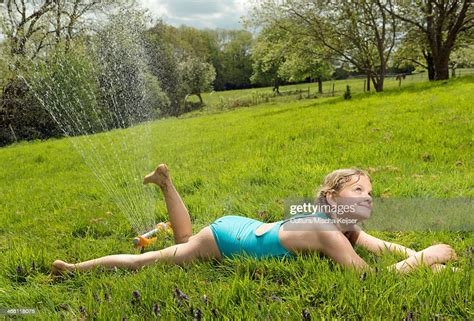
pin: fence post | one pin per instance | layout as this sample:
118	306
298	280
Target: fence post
365	84
333	88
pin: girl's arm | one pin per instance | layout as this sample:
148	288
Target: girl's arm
432	257
337	247
377	246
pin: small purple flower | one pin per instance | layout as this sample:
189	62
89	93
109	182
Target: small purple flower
156	309
409	316
82	310
19	269
306	315
275	298
106	296
136	295
198	314
180	295
96	297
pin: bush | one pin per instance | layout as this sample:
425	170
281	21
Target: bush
67	88
22	116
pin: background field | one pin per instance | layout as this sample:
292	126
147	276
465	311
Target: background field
220	100
416	142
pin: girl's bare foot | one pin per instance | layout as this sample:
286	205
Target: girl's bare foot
60	267
160	177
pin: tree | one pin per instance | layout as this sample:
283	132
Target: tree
235	58
196	76
268	56
124	77
31	27
163	64
440	21
358	32
413	49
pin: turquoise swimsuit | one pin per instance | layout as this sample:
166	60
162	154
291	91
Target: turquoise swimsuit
236	235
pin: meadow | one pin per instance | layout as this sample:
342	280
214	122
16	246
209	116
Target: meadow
415	141
220	100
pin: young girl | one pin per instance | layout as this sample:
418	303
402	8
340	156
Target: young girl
235	235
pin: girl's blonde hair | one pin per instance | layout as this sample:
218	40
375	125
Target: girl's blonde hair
335	181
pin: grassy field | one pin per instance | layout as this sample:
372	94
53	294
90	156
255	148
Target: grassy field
221	100
416	142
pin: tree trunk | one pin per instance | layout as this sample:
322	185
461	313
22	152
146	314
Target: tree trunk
379	87
441	66
200	98
320	85
276	87
378	83
430	64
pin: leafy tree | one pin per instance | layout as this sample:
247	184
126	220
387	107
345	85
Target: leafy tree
280	56
31	27
441	22
163	63
359	32
235	58
196	76
268	56
123	70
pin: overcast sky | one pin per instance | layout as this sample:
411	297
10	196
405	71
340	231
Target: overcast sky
199	13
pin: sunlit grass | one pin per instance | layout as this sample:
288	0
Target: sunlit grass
415	143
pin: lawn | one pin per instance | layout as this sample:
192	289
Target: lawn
415	142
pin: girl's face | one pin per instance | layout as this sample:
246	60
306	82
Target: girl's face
356	193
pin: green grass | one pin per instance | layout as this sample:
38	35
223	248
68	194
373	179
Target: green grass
222	100
416	142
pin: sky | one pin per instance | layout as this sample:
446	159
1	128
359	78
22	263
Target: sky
199	13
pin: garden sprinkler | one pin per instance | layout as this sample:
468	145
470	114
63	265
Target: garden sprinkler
146	240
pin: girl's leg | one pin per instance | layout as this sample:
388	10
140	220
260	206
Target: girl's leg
177	211
200	246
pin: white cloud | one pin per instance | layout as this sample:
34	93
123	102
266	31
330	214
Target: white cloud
199	13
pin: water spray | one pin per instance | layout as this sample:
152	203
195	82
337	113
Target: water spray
146	239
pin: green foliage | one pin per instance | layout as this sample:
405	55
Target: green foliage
267	56
22	116
67	88
235	68
196	76
123	70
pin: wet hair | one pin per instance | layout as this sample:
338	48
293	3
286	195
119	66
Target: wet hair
335	181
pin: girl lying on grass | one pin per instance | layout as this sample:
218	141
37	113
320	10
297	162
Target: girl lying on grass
234	235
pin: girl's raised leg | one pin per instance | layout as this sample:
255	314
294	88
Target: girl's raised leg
177	211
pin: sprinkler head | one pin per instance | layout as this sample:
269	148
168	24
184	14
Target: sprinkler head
146	240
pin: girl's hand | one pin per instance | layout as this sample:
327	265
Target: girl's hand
439	253
440	267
